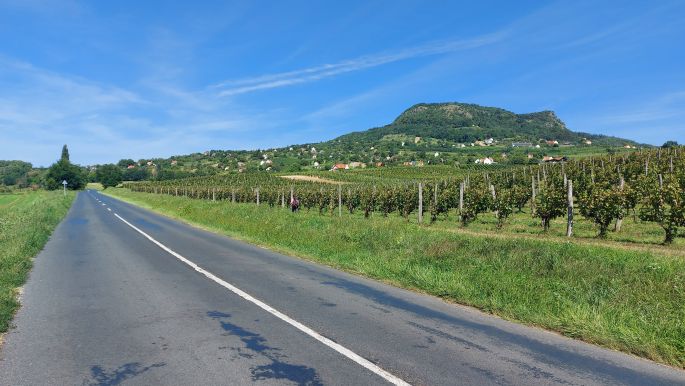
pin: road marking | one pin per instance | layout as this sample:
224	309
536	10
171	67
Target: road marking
335	346
109	209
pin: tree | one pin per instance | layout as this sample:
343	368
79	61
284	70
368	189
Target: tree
63	170
108	175
602	204
665	205
669	144
550	202
503	205
65	154
520	195
123	163
14	173
476	200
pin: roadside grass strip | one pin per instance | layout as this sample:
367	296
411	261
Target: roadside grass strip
25	227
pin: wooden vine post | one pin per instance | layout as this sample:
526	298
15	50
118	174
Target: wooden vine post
435	195
461	200
532	199
569	221
339	201
420	203
494	197
619	221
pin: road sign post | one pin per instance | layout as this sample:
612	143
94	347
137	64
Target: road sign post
64	184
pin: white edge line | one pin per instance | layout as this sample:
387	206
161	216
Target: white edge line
335	346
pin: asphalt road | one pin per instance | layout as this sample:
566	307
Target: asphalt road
107	305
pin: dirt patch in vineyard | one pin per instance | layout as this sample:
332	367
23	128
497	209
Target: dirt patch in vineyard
313	179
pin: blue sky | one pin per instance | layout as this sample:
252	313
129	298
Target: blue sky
136	79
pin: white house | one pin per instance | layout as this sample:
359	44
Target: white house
485	161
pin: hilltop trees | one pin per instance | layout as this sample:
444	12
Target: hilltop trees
64	170
125	162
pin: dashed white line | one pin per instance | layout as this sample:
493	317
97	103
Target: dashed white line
335	346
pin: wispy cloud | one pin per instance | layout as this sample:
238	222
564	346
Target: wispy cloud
42	109
311	74
669	105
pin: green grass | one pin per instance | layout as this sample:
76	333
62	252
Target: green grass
622	299
94	186
26	221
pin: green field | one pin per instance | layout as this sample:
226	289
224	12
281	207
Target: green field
26	221
629	299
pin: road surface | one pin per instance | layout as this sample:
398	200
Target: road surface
121	295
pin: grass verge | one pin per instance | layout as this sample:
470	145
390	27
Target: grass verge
622	299
26	221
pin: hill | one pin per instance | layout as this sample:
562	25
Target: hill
441	133
461	122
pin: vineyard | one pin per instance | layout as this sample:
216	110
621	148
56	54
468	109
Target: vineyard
647	186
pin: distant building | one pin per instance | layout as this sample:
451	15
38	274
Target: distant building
485	161
340	167
521	144
357	165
